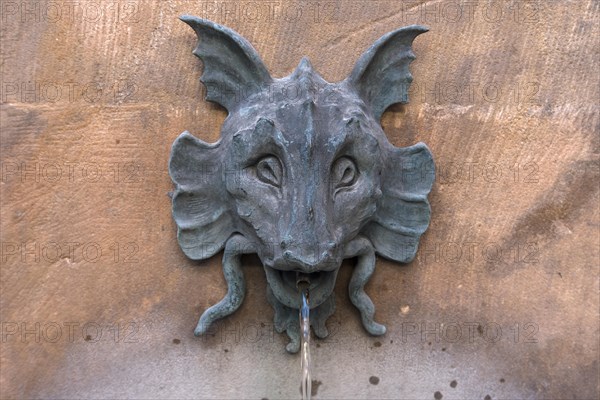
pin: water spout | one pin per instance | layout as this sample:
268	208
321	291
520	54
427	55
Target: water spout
303	283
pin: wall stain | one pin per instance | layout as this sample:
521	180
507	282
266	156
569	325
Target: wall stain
314	389
564	201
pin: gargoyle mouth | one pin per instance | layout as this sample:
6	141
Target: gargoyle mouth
283	285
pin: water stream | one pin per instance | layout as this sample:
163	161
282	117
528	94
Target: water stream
305	346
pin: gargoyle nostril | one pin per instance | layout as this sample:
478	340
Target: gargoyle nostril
285	243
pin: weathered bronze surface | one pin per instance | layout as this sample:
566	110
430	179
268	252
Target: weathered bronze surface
303	175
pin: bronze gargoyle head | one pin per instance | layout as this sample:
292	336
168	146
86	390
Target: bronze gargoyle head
303	176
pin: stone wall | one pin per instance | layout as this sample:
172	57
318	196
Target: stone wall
98	300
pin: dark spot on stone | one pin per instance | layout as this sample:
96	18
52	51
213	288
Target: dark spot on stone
429	343
318	345
487	397
117	141
559	274
226	350
453	384
374	380
176	341
264	398
480	329
391	341
88	338
262	324
377	344
443	349
437	396
502	380
162	228
314	388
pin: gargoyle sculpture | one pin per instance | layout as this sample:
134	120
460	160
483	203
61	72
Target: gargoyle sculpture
303	176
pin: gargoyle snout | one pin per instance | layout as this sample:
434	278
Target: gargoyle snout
307	258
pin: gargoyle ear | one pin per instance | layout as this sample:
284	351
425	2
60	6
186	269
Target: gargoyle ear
381	76
403	211
232	68
199	207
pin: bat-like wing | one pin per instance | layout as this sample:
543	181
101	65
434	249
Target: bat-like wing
381	75
233	69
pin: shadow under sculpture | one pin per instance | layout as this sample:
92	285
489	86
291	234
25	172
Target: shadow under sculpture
303	175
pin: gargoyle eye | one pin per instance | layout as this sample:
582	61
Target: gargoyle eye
344	172
268	170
